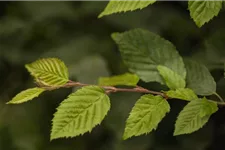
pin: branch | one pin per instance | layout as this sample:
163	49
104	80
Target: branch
112	89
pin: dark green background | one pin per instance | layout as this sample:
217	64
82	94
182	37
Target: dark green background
72	32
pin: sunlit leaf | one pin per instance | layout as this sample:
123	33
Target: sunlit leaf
203	11
172	79
80	112
145	116
26	95
182	93
194	116
124	6
49	71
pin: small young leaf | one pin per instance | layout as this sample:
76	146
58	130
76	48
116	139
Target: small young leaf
124	79
124	5
172	79
143	51
26	95
199	78
194	116
49	71
145	116
182	93
203	11
80	112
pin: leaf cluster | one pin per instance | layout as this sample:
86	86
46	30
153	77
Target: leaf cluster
149	58
200	11
88	106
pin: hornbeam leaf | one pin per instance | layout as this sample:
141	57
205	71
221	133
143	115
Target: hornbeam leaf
199	78
145	116
172	79
26	95
142	51
124	79
49	71
80	112
203	11
194	116
124	5
182	93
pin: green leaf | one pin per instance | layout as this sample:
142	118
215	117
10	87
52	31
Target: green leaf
199	78
26	95
123	6
182	93
49	71
80	112
172	79
124	79
145	116
142	51
194	116
203	11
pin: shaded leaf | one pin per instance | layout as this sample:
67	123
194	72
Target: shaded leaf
203	11
172	79
194	116
80	112
182	93
199	78
124	6
49	71
26	95
143	51
145	116
124	79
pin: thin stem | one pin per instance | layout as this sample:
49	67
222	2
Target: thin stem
219	103
220	98
112	89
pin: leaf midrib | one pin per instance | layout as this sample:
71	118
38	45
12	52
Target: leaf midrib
75	117
199	110
52	73
148	111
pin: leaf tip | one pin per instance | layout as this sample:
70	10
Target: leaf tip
113	35
27	66
125	137
100	15
52	138
176	133
199	24
8	103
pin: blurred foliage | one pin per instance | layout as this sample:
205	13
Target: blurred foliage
72	32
